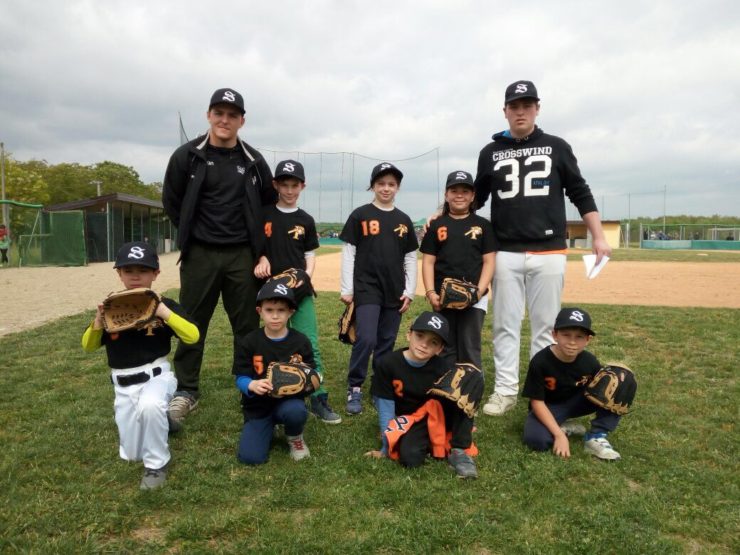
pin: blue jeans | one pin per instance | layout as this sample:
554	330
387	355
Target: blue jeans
539	438
254	442
377	328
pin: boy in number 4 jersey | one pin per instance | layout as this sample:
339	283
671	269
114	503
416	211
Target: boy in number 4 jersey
290	242
378	275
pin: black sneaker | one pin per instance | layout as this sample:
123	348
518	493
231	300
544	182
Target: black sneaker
321	409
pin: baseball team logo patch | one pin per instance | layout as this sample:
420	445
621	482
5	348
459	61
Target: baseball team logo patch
576	316
297	232
474	232
401	230
136	252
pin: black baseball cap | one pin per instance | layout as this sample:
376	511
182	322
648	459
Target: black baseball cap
137	253
227	96
433	322
273	290
574	318
459	178
384	168
521	89
290	168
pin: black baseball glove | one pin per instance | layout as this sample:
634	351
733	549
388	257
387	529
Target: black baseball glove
463	385
347	327
290	379
298	280
613	388
457	294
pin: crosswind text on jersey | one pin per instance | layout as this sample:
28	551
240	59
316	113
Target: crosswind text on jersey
520	152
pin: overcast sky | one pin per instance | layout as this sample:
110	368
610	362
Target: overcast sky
646	93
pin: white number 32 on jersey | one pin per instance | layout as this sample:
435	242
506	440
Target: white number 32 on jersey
513	176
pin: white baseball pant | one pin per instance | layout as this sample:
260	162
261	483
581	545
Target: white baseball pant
141	414
537	279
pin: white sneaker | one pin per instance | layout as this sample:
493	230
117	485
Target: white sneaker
573	428
601	448
298	448
499	404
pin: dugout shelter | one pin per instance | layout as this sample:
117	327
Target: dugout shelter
111	220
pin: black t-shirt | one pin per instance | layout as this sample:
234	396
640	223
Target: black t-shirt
289	236
220	214
132	348
254	353
459	246
382	238
553	381
394	378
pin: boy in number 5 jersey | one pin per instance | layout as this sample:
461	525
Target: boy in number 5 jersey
378	275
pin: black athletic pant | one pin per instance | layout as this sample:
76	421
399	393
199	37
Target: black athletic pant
464	340
207	272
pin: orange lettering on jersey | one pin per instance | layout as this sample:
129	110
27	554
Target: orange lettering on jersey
258	363
268	229
398	388
442	233
550	383
370	227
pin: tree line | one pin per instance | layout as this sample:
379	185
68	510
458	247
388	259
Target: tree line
38	182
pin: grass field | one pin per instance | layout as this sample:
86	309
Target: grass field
675	490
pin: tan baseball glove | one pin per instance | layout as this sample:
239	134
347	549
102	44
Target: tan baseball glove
130	309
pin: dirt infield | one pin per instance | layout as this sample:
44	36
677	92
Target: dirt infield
33	296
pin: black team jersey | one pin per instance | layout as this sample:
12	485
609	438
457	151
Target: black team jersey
382	238
254	353
394	378
527	180
459	246
132	348
553	381
289	235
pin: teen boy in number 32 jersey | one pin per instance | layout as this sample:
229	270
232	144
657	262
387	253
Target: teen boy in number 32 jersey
526	173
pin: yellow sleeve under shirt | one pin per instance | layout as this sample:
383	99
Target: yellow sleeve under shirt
186	331
92	339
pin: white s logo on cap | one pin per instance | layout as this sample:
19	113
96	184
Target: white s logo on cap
385	166
461	175
136	252
435	322
521	88
289	167
228	95
282	289
577	316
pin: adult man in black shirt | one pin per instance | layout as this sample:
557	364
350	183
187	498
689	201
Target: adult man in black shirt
214	190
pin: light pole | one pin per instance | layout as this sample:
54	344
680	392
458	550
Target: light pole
2	181
97	183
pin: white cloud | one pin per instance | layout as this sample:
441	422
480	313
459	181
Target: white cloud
645	94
